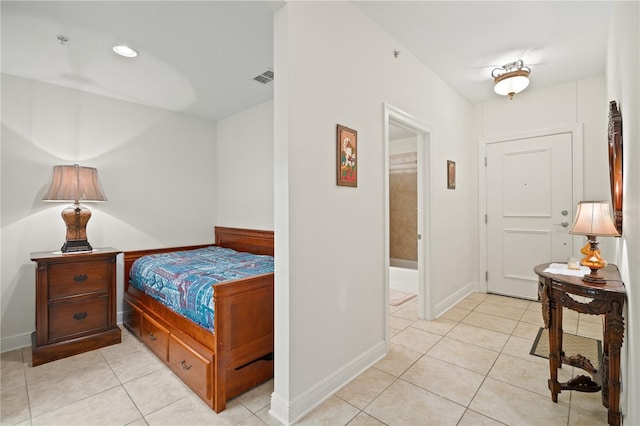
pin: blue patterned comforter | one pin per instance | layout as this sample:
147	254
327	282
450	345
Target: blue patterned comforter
183	280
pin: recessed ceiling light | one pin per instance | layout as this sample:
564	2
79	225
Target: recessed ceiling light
125	51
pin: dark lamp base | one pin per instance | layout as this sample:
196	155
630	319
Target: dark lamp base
74	246
594	278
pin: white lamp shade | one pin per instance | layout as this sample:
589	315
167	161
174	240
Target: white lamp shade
74	183
593	218
511	82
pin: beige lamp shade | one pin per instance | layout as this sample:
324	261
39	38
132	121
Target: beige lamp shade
593	218
74	183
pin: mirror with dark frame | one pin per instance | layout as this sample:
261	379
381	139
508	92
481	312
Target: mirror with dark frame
615	163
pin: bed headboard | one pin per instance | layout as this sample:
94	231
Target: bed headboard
249	240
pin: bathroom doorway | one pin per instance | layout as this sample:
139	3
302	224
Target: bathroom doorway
403	210
407	150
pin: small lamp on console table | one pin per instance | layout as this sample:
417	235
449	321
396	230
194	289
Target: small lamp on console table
593	219
75	183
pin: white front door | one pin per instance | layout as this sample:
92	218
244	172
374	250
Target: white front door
529	210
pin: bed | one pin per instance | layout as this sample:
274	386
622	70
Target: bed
233	355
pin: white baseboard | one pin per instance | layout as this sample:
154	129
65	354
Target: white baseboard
15	342
456	297
289	412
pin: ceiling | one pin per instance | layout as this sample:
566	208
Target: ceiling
200	57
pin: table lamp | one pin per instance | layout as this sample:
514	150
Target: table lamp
593	219
75	183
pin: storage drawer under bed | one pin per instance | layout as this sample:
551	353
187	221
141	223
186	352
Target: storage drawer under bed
155	336
132	317
195	369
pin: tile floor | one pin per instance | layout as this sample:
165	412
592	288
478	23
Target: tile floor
469	367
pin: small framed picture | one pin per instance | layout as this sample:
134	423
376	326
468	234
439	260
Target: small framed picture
451	174
347	156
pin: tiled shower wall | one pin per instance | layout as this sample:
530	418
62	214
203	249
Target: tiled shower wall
403	205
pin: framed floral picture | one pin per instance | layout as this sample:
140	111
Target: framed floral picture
347	156
451	174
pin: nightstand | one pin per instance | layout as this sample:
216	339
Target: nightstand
75	303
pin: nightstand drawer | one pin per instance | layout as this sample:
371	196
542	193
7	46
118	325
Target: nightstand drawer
81	317
73	278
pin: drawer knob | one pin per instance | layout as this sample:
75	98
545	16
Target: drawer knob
184	365
80	278
78	316
152	336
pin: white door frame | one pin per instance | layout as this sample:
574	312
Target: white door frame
424	141
577	181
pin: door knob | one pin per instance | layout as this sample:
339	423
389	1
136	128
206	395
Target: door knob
564	212
563	224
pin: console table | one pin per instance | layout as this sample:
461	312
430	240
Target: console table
607	299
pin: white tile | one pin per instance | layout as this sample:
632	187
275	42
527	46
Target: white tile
479	336
399	323
516	406
589	329
471	418
63	367
111	407
192	411
533	317
468	304
506	301
417	340
366	387
363	419
490	322
11	359
409	312
257	398
332	412
526	330
128	345
51	394
156	390
510	312
454	314
137	364
14	401
464	355
521	348
578	417
528	375
405	404
447	380
267	418
439	326
477	296
397	360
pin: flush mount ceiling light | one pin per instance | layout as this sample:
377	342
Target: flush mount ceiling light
125	51
511	78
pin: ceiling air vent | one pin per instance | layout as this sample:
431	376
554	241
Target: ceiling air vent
265	77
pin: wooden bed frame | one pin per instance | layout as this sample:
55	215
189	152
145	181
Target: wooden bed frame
238	355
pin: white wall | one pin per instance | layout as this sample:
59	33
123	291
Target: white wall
623	86
335	66
244	171
156	167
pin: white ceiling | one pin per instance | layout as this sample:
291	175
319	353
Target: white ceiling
200	57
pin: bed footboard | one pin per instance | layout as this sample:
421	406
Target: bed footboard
244	333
